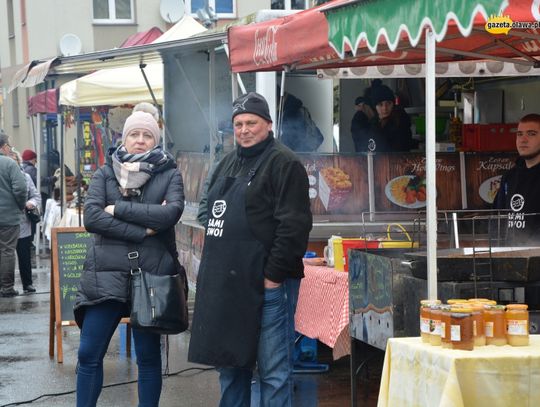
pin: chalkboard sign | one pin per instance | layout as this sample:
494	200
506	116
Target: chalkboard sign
68	252
69	247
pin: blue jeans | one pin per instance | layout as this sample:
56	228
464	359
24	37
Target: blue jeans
100	322
274	358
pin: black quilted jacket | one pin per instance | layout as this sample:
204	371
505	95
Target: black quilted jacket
106	270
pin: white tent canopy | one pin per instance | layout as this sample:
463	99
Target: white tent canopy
126	85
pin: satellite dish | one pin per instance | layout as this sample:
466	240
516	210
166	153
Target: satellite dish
70	44
171	10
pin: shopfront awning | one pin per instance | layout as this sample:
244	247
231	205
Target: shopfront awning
114	87
387	32
126	84
43	102
269	45
141	38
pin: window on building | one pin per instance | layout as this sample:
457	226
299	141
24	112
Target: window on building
290	4
15	107
223	8
11	21
113	11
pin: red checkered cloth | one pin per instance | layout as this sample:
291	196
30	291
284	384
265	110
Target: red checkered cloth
323	308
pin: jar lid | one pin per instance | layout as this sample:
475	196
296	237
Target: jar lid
456	301
495	307
427	303
479	300
517	306
462	310
476	306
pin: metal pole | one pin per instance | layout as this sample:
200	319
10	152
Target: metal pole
431	190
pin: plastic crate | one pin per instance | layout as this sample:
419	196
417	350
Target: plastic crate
489	137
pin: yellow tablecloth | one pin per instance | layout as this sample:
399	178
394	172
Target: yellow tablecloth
417	374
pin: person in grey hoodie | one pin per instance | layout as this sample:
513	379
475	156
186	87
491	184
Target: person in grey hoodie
12	202
24	244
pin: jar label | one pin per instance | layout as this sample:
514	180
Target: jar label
424	325
474	328
455	333
489	329
436	325
517	327
443	330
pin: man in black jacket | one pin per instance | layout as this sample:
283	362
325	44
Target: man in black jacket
520	186
257	223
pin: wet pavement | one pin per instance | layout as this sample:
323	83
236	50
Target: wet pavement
27	373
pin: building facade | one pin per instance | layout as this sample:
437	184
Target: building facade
37	30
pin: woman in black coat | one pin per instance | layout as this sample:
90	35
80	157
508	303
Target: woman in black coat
133	203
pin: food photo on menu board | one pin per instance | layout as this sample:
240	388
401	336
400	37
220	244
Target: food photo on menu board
407	191
337	184
400	181
489	188
483	172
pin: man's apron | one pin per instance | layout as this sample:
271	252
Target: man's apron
230	285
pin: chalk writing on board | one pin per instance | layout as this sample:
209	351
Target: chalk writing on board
71	253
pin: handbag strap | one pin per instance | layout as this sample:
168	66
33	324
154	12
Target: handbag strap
133	257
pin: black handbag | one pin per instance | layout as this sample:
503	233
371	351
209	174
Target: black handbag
158	302
33	214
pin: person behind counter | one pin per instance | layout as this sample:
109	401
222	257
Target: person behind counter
520	186
133	201
390	129
360	123
257	228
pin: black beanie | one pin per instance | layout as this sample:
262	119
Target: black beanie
381	93
251	103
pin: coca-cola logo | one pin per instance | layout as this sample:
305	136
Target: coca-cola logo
265	51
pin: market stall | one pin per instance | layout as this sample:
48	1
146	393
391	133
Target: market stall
427	37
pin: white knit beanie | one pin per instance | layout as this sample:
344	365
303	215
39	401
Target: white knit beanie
144	121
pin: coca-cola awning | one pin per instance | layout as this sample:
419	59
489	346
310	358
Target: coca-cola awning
297	38
389	32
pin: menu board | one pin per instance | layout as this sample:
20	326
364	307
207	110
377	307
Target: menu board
484	171
69	247
400	181
194	168
338	184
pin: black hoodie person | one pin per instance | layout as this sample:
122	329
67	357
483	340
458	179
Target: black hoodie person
520	186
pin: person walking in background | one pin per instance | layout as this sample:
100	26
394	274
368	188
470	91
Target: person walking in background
12	202
29	161
258	220
29	164
24	244
134	200
520	186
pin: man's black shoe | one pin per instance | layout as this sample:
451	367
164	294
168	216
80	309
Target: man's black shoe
9	293
29	289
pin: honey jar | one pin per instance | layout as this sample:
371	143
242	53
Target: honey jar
425	318
461	328
495	325
517	324
445	326
435	325
479	332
